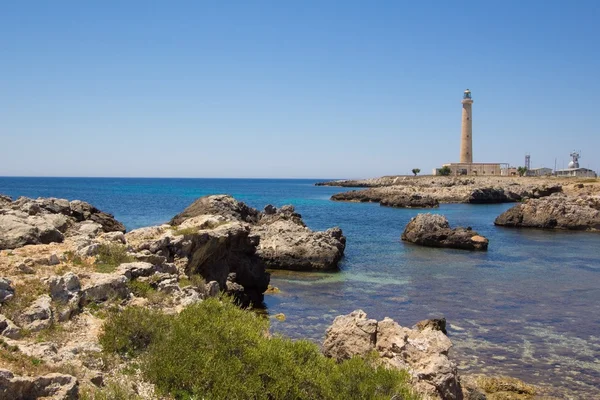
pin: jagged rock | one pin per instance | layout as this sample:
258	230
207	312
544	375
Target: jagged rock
136	269
223	205
6	290
211	253
554	212
64	288
37	316
424	354
89	229
8	328
350	335
42	221
287	245
51	386
89	251
434	231
20	230
437	324
491	195
103	287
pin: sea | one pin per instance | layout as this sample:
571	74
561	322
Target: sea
529	307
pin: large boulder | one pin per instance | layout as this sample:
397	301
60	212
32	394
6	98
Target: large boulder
46	220
283	241
51	387
423	353
554	212
287	245
20	229
103	287
223	205
433	230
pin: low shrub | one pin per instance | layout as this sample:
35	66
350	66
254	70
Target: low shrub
214	350
130	331
110	256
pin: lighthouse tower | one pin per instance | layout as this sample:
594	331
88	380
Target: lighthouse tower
466	137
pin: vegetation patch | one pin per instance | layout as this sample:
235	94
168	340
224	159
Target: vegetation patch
26	292
185	231
110	256
214	350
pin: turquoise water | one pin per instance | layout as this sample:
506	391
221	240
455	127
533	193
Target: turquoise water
529	307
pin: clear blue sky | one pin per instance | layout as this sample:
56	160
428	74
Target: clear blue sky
293	88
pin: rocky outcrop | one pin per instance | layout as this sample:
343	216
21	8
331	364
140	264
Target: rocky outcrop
397	200
429	191
281	238
423	353
51	386
554	212
212	253
222	205
434	231
37	316
47	220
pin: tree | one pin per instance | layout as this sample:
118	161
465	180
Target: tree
522	170
416	171
445	170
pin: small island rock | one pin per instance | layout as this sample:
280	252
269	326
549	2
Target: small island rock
434	231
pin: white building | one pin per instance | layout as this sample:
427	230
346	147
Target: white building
578	172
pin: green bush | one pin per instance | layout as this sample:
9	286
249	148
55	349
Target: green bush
214	350
110	256
131	331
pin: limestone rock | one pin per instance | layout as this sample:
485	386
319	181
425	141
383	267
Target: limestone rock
554	212
136	269
223	205
350	335
103	287
434	231
392	199
37	316
8	328
64	288
18	230
51	386
424	354
46	220
287	245
7	292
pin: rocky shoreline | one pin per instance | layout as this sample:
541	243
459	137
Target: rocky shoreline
429	191
65	265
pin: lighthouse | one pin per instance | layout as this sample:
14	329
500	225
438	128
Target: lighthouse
466	137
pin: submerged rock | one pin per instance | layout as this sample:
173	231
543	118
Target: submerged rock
424	353
554	212
434	231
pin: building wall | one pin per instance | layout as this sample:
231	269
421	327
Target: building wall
578	172
479	169
539	172
466	137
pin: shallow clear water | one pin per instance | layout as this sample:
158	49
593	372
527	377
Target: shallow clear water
529	307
